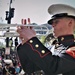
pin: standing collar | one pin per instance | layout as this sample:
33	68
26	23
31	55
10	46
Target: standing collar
66	39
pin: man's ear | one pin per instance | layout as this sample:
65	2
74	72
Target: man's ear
70	22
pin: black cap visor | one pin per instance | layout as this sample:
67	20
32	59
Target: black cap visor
58	16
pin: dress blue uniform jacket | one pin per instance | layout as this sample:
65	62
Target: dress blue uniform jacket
34	56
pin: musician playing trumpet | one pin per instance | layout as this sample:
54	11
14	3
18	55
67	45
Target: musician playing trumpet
35	56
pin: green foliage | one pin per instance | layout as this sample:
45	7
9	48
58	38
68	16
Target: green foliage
42	39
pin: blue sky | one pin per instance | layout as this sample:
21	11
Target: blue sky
36	10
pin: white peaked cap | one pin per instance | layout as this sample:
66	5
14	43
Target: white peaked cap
61	8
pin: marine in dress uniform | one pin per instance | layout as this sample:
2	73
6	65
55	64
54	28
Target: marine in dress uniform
34	56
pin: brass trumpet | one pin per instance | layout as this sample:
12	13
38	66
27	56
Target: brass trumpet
9	30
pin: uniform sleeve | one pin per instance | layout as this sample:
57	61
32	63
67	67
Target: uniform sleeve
43	58
26	64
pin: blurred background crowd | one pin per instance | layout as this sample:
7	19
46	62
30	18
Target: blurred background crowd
9	61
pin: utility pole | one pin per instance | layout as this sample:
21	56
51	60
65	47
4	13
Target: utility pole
9	16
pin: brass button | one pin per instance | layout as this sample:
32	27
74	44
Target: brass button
43	51
31	41
62	38
57	45
36	45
